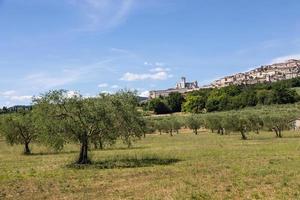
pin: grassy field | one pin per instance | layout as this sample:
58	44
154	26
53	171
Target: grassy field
207	166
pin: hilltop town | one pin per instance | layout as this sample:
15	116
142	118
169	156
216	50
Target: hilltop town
264	74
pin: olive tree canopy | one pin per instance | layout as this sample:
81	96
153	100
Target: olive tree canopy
89	120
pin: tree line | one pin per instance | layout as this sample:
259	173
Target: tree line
243	122
13	109
57	119
232	97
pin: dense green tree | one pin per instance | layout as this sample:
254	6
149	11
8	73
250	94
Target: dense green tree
224	102
248	97
174	101
159	106
265	97
236	102
283	95
194	104
212	104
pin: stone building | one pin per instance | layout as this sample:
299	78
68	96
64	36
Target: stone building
182	87
185	85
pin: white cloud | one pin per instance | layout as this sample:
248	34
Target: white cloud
72	93
285	58
157	73
105	92
150	76
144	94
103	85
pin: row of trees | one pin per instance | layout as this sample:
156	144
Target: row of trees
56	119
228	98
226	122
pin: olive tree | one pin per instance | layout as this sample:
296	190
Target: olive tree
84	120
170	125
150	126
19	128
194	122
128	121
255	121
159	125
213	122
237	122
176	123
278	122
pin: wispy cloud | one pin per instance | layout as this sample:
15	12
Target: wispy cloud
46	80
104	14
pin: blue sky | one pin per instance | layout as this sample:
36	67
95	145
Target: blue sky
105	45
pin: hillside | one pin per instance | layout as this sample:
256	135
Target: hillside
233	97
263	74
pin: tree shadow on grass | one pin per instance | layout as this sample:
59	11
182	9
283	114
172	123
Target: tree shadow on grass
52	153
126	163
120	148
277	138
93	150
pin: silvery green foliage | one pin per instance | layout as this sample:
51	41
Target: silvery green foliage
99	120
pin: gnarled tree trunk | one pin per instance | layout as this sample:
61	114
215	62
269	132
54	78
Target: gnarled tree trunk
243	133
26	148
83	156
101	144
279	133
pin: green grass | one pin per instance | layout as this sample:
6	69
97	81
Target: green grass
207	166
